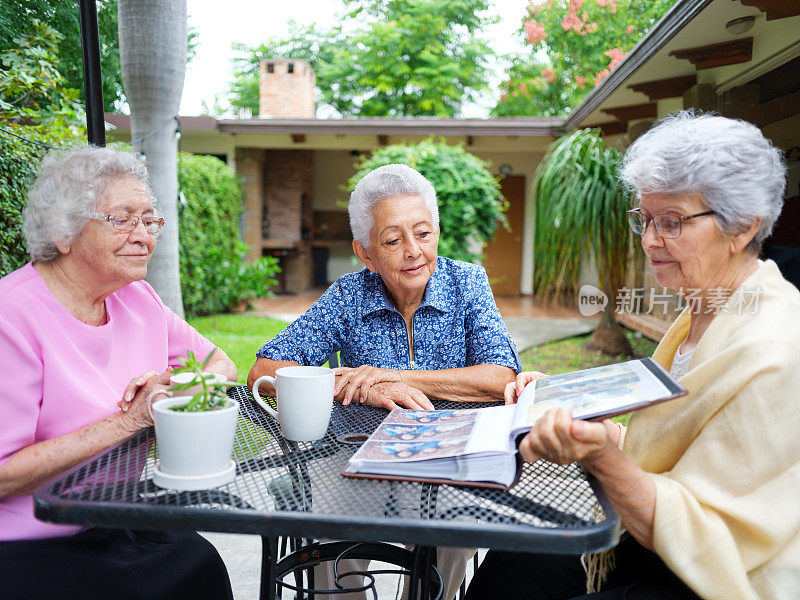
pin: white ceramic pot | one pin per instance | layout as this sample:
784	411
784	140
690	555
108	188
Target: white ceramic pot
194	448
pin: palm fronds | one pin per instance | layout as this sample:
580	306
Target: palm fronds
580	213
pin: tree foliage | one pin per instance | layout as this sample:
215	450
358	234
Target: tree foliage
33	91
214	276
574	45
37	110
22	17
470	203
392	58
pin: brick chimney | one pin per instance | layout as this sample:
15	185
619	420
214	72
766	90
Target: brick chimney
286	90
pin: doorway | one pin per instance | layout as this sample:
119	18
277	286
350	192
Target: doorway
503	255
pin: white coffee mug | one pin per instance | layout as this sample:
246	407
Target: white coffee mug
305	400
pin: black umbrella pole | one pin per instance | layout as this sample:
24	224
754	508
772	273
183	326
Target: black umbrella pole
92	84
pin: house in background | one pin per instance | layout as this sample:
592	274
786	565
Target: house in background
294	167
739	58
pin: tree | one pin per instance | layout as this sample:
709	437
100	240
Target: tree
580	213
388	58
21	17
33	91
574	45
152	35
470	203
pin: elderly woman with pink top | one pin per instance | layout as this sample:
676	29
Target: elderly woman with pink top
83	343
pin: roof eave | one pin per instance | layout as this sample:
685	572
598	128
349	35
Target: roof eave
655	39
458	127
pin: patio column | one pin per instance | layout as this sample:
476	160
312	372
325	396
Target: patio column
250	167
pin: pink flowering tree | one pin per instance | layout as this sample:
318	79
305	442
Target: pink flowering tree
572	46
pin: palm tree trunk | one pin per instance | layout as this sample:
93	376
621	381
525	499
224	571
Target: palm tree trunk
609	337
152	48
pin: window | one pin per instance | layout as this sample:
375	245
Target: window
270	67
290	69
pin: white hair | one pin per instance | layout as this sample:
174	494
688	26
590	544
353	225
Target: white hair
387	182
738	172
70	184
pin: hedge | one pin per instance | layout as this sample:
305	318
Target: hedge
214	275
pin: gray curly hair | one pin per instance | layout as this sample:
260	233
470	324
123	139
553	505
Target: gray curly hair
382	183
739	173
70	184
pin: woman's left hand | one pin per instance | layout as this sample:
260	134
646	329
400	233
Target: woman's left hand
558	438
354	384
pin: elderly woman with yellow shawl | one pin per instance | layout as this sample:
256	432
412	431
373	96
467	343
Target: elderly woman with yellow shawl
706	486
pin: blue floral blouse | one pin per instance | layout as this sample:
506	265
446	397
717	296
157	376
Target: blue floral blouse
456	325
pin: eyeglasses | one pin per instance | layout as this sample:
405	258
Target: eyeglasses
668	226
127	223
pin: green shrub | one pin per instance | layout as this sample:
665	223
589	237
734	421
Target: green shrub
470	203
19	162
214	276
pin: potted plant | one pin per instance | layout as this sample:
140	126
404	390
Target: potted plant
195	429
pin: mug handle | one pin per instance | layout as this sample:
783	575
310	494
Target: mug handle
150	401
258	399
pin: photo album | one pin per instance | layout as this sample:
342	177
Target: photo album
479	446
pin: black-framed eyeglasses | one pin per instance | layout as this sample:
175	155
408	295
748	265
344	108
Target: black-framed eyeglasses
668	226
127	223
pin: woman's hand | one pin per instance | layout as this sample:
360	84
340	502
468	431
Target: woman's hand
559	439
136	400
391	395
355	384
514	388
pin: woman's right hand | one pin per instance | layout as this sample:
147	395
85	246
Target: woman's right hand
138	395
514	388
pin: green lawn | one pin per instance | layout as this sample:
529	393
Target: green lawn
571	354
239	336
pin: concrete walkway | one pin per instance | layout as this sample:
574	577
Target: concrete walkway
530	324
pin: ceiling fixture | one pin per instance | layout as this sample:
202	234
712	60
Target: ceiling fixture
740	25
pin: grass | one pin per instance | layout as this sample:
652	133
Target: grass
240	336
571	354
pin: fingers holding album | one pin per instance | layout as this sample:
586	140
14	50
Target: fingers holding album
556	437
514	388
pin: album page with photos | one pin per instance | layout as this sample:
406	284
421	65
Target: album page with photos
479	446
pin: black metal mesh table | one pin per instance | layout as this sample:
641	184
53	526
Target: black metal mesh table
295	489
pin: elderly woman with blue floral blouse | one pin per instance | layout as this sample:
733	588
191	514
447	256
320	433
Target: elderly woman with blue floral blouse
411	326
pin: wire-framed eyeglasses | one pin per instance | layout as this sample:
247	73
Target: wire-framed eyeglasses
668	226
127	223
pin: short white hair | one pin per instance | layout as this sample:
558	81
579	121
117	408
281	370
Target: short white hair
70	184
385	182
738	172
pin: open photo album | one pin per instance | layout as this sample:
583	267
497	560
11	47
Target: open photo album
479	446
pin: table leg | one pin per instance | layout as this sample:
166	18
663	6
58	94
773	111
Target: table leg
423	574
269	561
